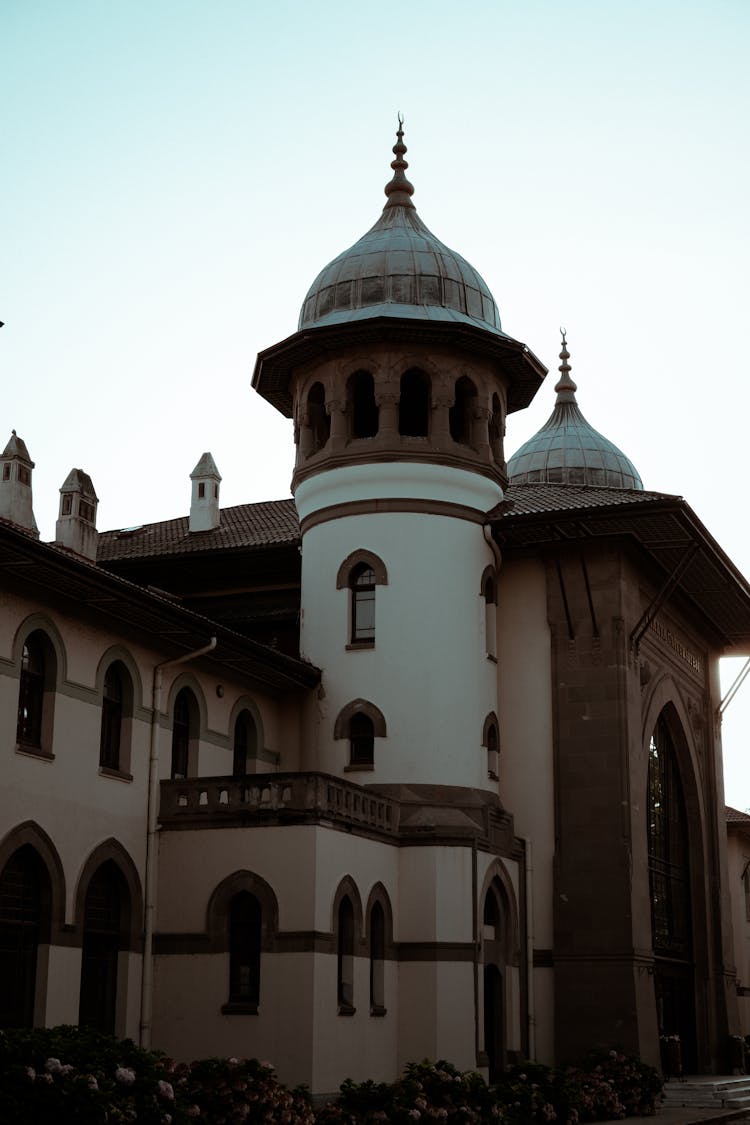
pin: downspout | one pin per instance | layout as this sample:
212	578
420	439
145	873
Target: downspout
150	889
530	1006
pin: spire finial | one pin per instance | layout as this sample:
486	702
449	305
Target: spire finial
565	387
399	190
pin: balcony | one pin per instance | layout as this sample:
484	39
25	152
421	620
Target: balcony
274	798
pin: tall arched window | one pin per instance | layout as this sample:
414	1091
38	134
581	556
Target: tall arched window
36	692
361	740
669	883
185	726
345	973
363	410
489	593
24	901
102	930
460	414
244	951
362	585
245	743
495	430
494	998
112	718
414	404
318	417
377	960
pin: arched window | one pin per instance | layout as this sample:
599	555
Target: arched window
362	585
460	414
361	740
24	901
489	593
363	410
318	417
245	743
495	430
185	726
345	974
102	929
361	722
112	718
36	692
377	960
414	404
244	951
491	740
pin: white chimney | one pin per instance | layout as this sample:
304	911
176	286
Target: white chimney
204	503
15	485
76	521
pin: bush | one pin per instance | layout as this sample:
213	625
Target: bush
75	1076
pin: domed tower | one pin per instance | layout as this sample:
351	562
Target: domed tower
399	379
567	450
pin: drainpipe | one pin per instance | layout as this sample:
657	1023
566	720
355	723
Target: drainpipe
529	872
147	978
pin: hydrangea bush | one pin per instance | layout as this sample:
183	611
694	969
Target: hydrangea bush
75	1076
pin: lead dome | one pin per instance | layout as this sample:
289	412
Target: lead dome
567	450
400	269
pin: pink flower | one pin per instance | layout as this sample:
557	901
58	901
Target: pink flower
194	1111
92	1082
125	1075
53	1066
31	1073
165	1090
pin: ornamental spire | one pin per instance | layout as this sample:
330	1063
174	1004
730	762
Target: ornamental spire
399	190
565	387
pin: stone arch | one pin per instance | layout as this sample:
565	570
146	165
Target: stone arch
112	850
124	656
357	558
246	703
488	584
44	624
380	895
359	707
497	878
31	834
461	413
348	887
217	910
189	680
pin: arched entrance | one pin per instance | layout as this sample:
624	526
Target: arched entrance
494	934
24	924
105	916
669	885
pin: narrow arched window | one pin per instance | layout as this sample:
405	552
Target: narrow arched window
361	740
362	585
102	927
377	960
245	744
23	884
112	716
414	404
245	919
460	414
489	594
492	752
31	692
345	975
363	410
495	430
184	732
318	417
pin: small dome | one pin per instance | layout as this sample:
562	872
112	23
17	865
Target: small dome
567	450
399	269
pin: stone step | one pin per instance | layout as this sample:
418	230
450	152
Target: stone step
709	1093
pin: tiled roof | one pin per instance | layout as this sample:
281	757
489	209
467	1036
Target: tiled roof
734	816
528	499
270	523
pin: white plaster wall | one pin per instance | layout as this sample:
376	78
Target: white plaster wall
428	671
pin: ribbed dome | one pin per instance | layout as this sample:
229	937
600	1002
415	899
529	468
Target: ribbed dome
567	450
399	269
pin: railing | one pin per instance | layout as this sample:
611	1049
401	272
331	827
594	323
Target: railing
260	798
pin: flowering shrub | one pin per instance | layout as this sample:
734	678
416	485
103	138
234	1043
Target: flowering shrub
75	1076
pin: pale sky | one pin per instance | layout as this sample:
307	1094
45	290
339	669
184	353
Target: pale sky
175	173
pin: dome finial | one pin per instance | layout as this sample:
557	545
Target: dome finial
399	190
565	387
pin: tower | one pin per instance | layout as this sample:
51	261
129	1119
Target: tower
15	485
76	522
399	380
205	513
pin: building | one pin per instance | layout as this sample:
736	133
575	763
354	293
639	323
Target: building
424	763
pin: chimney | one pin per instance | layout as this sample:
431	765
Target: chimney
76	522
204	503
15	485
